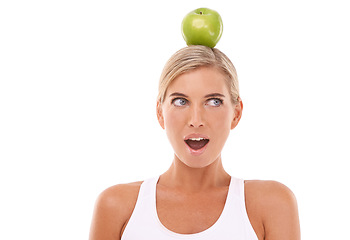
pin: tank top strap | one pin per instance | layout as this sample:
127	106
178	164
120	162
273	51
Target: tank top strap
233	198
148	189
237	209
143	216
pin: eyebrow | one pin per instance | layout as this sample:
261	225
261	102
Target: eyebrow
178	94
206	96
214	95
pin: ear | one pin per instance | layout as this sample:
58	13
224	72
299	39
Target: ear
160	114
238	108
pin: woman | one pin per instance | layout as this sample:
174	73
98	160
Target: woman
198	105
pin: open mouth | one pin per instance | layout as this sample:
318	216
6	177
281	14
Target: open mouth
196	143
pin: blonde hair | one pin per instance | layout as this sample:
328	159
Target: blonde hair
193	57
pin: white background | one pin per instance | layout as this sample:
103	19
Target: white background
78	84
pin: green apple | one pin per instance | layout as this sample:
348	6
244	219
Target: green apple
202	26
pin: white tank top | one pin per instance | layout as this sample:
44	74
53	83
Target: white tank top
233	222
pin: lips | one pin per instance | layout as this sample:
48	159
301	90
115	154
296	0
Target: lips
196	142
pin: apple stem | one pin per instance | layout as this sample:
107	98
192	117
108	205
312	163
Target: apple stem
200	13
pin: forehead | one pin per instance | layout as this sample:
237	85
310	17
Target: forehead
202	81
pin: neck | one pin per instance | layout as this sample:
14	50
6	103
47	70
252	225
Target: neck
186	178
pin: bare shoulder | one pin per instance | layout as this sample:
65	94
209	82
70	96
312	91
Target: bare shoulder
272	207
113	208
119	194
269	192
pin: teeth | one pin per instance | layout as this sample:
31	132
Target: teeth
196	139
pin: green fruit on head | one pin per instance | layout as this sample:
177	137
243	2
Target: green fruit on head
202	26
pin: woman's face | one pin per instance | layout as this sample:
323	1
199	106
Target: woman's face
197	115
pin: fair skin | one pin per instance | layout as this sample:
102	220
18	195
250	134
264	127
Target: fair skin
196	104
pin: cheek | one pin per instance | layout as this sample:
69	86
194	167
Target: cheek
222	119
173	120
222	125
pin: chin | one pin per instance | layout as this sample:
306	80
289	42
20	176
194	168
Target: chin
196	162
197	165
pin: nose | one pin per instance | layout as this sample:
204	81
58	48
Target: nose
196	118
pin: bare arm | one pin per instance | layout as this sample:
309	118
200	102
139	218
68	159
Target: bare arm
280	217
112	210
272	210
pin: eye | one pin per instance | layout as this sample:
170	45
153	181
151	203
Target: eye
214	102
179	102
